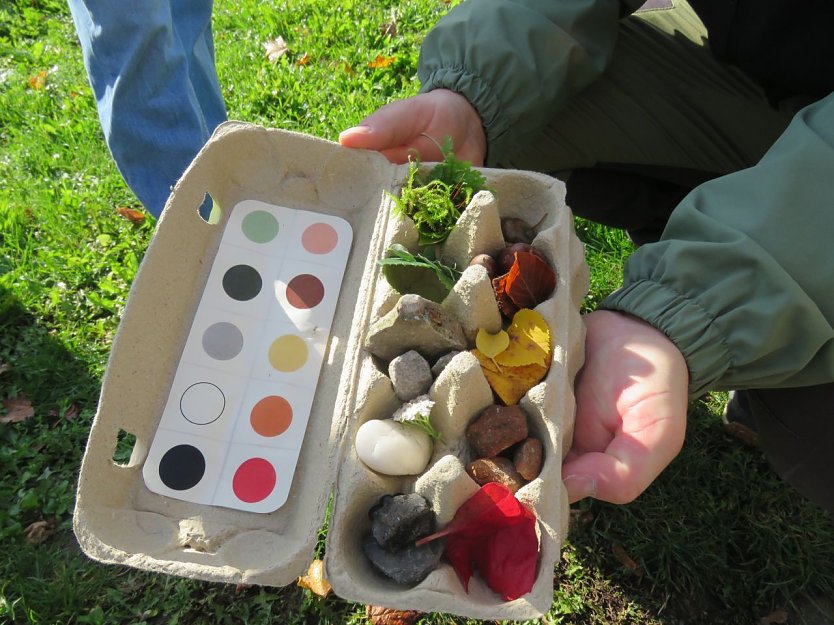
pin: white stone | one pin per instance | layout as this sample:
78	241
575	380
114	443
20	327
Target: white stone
393	448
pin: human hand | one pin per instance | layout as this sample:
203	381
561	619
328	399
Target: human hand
411	127
631	397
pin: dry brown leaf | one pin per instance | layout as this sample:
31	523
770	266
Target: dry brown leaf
381	61
388	29
39	531
315	580
625	559
17	409
778	617
379	615
72	412
133	215
275	49
304	60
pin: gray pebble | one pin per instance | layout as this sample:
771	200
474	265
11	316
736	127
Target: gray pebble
399	520
410	374
410	565
441	363
415	323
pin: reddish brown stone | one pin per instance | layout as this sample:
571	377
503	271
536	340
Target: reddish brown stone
496	429
498	469
528	458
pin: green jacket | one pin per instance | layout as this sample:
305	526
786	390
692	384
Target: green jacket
743	279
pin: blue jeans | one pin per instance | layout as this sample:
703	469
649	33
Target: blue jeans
151	67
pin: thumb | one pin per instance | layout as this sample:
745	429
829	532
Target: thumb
394	125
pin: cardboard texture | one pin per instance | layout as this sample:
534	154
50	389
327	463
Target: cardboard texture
119	520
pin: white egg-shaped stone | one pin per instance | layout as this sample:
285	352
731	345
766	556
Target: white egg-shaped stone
393	448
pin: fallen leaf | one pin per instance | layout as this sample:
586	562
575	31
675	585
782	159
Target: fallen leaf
529	341
314	580
388	29
778	617
528	283
490	345
381	61
239	588
39	531
495	533
513	371
275	49
38	81
625	559
348	69
4	367
379	615
133	215
72	412
510	383
304	60
17	409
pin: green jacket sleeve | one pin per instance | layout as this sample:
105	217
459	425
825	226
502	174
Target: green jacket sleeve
517	61
743	278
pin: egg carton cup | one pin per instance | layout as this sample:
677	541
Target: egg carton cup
119	520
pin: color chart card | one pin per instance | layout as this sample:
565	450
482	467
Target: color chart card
234	421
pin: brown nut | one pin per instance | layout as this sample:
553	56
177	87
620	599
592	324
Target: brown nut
516	230
487	262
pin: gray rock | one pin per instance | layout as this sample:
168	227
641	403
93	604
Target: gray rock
415	323
410	374
397	521
406	566
441	363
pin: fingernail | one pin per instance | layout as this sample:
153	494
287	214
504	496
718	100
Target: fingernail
580	486
357	130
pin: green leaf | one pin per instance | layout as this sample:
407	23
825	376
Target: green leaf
416	273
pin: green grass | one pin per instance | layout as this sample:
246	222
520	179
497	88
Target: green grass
717	539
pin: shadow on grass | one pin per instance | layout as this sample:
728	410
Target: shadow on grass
718	538
40	455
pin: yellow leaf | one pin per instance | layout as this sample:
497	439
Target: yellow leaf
306	58
492	344
314	580
529	337
381	61
510	383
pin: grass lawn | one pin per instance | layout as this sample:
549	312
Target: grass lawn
717	539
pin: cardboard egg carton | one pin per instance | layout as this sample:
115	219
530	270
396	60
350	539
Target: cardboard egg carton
118	519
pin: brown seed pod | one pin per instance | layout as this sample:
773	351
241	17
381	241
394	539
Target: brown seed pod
487	262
